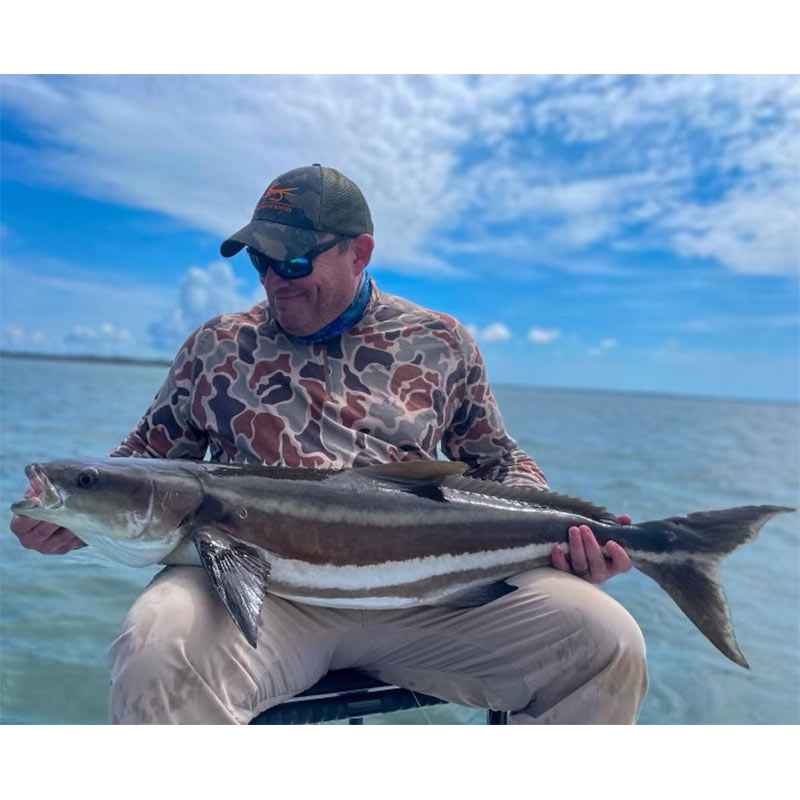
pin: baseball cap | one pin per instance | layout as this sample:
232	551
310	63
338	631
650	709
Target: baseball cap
298	209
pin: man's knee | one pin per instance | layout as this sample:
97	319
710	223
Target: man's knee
577	613
591	650
615	630
160	662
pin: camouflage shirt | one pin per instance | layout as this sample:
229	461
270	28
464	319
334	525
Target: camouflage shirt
401	382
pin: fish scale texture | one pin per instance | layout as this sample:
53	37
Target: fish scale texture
402	381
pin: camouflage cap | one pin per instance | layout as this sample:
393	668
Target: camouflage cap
298	209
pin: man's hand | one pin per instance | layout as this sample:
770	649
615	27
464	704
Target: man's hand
586	558
44	537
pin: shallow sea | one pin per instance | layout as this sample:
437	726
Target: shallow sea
646	455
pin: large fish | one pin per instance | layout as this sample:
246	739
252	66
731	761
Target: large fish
385	536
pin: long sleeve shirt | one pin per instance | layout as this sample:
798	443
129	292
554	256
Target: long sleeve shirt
401	382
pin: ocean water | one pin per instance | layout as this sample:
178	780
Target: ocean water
649	456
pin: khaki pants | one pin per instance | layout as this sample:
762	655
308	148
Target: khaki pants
558	650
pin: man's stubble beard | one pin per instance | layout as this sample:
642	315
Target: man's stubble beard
298	321
317	307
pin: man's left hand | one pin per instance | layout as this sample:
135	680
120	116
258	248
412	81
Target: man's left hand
585	554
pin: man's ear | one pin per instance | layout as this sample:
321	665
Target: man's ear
361	248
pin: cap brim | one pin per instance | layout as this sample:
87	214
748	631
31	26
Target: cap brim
281	242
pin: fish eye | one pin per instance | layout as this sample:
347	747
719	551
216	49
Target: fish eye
87	478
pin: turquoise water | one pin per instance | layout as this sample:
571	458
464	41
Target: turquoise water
649	456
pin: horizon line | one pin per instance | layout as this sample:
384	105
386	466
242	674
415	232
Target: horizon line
97	358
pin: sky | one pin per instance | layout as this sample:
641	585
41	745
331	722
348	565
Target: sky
614	232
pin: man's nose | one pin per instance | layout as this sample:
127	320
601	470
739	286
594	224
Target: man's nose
274	281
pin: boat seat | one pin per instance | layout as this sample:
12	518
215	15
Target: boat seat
351	695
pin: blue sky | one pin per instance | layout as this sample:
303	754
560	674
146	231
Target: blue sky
633	232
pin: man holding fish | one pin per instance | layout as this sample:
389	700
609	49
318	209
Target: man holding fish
332	373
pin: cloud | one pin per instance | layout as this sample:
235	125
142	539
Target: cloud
46	298
494	332
40	309
104	338
202	149
602	346
753	231
703	166
543	335
13	336
202	293
17	337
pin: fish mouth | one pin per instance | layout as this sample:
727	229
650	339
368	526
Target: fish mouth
42	493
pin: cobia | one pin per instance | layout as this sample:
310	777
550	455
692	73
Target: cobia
384	536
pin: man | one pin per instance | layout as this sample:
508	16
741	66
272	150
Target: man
331	372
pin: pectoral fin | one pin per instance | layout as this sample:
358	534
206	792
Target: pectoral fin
239	574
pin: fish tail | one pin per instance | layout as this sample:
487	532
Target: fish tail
690	573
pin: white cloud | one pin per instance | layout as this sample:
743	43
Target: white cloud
13	336
202	149
602	346
202	293
494	332
49	298
148	320
123	334
105	338
703	165
543	335
752	231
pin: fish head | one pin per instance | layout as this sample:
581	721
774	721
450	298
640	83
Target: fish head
132	500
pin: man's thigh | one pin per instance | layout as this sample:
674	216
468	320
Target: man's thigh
181	658
530	649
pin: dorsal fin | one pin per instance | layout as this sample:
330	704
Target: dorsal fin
421	478
531	496
411	472
426	478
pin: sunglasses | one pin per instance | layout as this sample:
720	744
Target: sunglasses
293	268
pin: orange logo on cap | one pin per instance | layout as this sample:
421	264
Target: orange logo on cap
273	197
275	193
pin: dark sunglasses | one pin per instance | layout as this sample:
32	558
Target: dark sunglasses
294	268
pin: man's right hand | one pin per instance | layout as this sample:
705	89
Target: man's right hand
45	537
